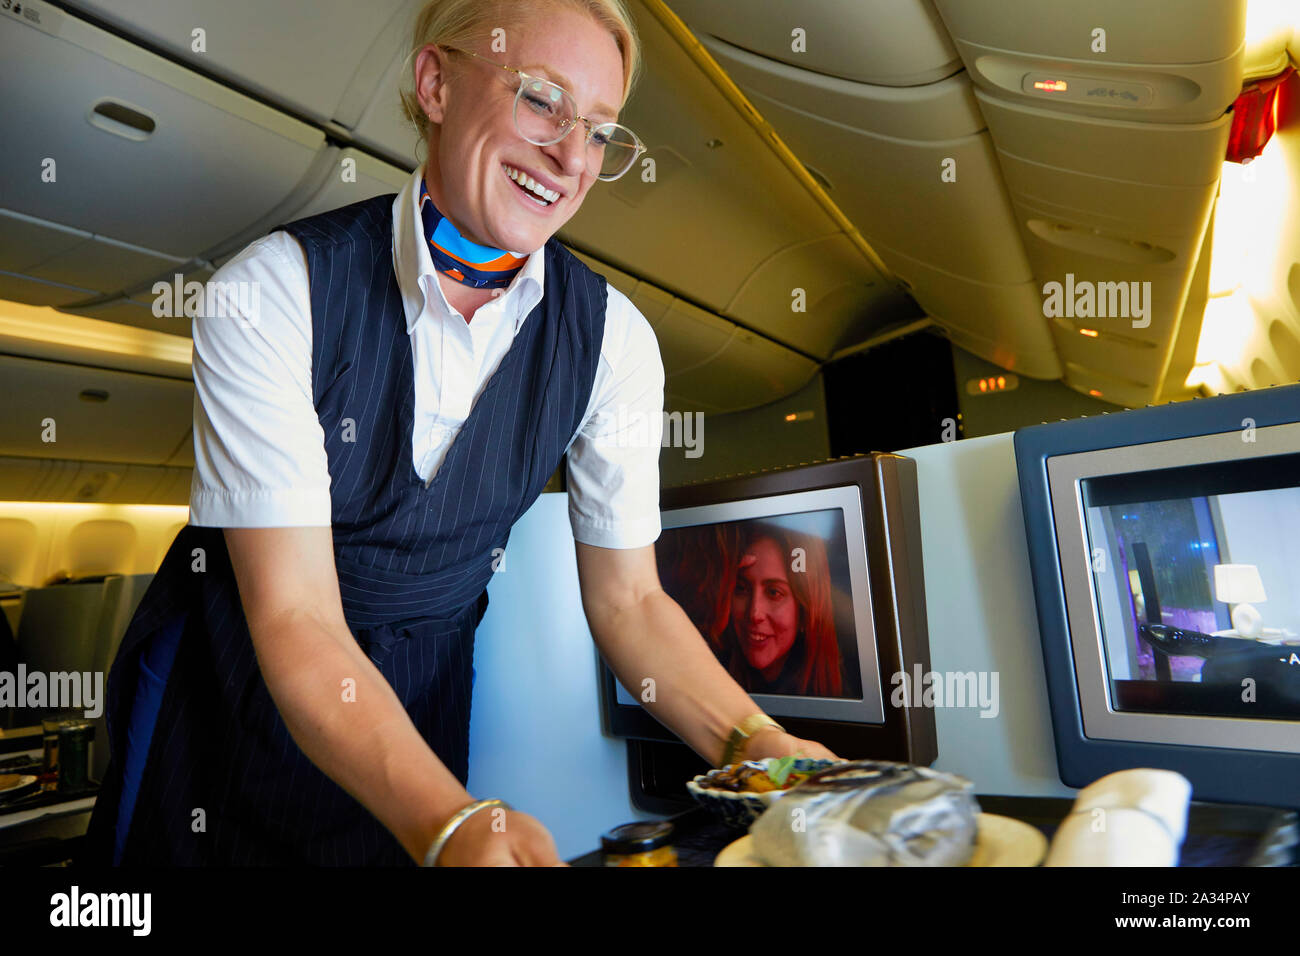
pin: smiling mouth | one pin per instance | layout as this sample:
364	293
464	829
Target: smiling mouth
530	187
760	638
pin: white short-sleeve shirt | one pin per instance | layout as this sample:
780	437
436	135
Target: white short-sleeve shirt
259	449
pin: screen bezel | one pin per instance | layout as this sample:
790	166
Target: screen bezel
1100	719
887	485
870	707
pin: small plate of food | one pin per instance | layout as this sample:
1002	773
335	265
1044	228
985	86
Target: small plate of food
738	794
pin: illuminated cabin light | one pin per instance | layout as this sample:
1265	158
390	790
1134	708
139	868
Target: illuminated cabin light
790	417
1051	86
1094	393
991	383
1091	333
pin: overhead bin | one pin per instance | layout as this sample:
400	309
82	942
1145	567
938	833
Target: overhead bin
689	337
355	176
72	264
915	170
710	363
885	42
824	302
1111	127
884	151
1112	208
73	258
721	218
20	288
53	479
137	307
303	54
153	161
749	371
616	277
349	176
373	108
91	414
1176	63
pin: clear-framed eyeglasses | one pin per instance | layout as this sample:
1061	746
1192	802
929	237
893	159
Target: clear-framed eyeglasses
546	112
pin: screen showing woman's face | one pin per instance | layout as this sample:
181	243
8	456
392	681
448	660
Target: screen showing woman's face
478	144
763	608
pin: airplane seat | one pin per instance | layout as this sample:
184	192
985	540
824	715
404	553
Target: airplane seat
8	662
70	628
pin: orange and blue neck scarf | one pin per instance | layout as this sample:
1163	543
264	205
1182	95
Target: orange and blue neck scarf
456	257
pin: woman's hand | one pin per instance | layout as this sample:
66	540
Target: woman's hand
516	840
770	742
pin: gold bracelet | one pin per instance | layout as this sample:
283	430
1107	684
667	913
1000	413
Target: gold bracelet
741	733
457	818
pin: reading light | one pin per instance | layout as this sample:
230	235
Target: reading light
1091	333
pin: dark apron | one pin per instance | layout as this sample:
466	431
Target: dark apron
223	781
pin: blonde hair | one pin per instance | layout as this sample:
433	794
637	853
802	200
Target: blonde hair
461	23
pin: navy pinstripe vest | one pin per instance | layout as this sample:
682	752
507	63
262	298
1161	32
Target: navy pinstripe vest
413	564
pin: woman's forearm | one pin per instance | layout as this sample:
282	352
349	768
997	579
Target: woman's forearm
691	692
346	718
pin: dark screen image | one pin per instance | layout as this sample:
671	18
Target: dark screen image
772	598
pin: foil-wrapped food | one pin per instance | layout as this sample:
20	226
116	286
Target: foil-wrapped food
870	813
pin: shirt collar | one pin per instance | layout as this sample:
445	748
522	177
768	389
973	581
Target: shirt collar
418	281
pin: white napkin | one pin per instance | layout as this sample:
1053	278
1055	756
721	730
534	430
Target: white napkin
1129	818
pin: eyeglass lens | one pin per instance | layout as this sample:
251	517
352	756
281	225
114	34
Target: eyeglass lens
545	113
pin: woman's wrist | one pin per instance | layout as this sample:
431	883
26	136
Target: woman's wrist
737	747
454	822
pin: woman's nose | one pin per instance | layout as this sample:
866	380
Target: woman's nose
571	152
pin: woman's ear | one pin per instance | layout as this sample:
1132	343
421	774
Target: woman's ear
430	82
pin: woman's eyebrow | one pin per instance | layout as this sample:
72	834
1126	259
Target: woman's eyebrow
600	110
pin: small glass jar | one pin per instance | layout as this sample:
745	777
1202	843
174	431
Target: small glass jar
75	738
648	843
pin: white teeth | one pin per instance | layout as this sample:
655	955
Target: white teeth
532	185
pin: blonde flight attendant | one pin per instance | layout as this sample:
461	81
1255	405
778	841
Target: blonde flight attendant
299	672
